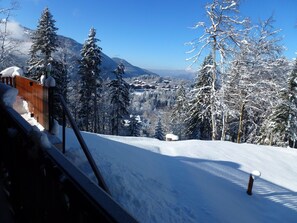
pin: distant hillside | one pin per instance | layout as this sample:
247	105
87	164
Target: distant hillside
131	70
179	74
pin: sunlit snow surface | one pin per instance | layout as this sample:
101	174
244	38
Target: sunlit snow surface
193	181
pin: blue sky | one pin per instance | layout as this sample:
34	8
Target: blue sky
149	33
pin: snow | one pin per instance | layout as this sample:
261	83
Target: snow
22	107
171	136
256	174
55	128
40	138
11	72
42	79
189	181
49	82
193	181
7	95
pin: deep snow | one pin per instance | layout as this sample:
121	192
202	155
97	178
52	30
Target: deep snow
190	181
193	181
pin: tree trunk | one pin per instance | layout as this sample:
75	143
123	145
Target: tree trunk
95	115
225	120
213	90
270	139
240	123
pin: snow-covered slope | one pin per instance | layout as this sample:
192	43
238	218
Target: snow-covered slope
194	181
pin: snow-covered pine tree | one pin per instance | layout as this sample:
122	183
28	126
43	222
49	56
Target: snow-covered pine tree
199	111
221	34
105	108
41	62
159	132
283	120
59	72
90	84
45	42
179	113
119	98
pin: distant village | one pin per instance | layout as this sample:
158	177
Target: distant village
142	84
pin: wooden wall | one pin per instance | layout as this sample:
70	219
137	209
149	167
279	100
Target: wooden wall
37	97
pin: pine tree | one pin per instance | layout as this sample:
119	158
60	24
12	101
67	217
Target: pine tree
45	42
59	72
283	121
42	62
119	98
199	112
159	132
90	83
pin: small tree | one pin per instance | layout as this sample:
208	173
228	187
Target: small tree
119	98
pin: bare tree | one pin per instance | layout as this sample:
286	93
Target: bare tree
221	32
7	45
254	79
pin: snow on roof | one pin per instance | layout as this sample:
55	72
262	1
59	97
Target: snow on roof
171	136
11	72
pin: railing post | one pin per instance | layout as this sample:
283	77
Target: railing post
253	176
250	185
50	107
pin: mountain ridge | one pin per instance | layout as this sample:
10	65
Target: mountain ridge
71	48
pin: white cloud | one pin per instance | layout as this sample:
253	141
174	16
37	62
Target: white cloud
14	30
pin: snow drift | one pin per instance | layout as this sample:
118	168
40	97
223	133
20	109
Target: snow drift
193	181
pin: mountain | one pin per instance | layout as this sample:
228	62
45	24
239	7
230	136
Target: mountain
131	70
70	48
179	74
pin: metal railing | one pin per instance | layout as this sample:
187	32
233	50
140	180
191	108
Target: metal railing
66	113
43	185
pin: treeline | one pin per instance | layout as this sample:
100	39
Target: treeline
245	90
